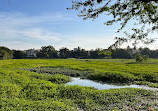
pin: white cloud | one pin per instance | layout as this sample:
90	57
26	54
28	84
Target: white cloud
86	42
18	28
20	31
16	20
41	34
35	34
19	45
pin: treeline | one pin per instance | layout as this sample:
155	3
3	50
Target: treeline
131	53
49	52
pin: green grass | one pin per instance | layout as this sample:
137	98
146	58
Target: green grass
36	84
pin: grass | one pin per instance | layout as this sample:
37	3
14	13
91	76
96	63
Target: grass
38	84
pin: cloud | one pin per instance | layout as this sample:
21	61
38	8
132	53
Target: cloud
16	20
20	31
33	34
20	28
18	25
41	34
87	42
19	45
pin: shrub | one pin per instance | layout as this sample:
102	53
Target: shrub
141	58
5	53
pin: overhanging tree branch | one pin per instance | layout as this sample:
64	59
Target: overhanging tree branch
144	11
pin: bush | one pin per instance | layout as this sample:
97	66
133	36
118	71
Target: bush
5	53
141	58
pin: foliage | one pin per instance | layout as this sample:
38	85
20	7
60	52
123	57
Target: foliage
47	52
122	11
121	53
64	53
80	53
118	71
141	58
60	70
19	54
145	57
24	90
5	53
113	77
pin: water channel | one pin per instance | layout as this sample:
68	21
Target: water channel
104	86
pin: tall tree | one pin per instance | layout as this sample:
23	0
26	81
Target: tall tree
64	53
47	52
145	12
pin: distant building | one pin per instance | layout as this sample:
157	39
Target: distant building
31	53
75	49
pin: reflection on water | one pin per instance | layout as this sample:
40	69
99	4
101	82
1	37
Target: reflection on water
99	86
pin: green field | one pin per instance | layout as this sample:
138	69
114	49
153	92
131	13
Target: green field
38	84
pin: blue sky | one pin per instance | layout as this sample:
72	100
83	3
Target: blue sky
34	23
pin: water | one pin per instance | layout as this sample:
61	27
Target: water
99	86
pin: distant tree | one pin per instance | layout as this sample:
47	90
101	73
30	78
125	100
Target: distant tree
145	51
84	54
5	53
129	50
154	54
19	54
79	53
47	52
95	54
121	54
64	53
76	53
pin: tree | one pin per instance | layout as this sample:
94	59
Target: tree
95	53
19	54
64	53
144	11
145	51
84	54
76	53
5	53
47	52
121	54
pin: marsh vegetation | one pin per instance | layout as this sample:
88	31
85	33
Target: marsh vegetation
39	84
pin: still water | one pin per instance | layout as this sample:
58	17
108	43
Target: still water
99	86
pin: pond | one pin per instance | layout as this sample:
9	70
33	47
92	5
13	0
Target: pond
99	86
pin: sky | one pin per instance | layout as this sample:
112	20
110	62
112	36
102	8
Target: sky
26	24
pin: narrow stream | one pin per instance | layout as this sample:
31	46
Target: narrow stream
99	86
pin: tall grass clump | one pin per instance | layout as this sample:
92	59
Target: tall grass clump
111	76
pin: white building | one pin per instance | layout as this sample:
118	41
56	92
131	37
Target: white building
31	53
